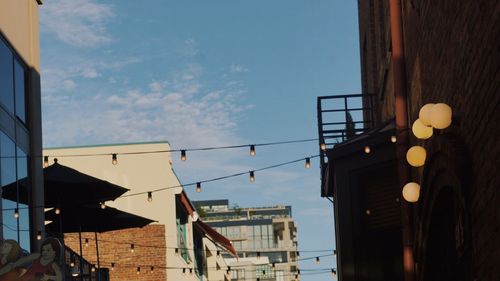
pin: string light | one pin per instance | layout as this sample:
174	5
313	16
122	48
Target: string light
367	149
393	139
334	273
114	159
198	187
317	260
184	271
308	163
93	268
75	272
150	196
86	242
132	248
176	251
72	264
252	176
152	269
57	210
16	213
45	161
252	150
39	235
322	146
138	270
183	155
103	205
112	266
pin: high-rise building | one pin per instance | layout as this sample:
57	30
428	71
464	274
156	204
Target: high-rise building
20	121
264	237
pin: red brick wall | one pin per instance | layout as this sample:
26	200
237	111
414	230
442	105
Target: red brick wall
114	247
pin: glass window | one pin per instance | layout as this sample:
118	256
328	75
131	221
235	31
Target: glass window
6	77
23	184
8	176
20	76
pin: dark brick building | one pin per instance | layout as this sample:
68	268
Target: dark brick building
451	55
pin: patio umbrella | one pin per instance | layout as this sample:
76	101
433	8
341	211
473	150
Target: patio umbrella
66	186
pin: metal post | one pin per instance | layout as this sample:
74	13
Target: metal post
81	252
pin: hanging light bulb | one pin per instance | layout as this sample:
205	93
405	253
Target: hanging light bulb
86	242
322	146
317	260
45	161
16	213
57	210
75	272
273	265
72	264
252	150
416	156
252	176
132	248
93	268
334	273
103	205
367	149
39	235
176	251
138	270
152	269
440	116
218	253
411	192
150	196
420	130
394	139
198	187
191	271
184	271
114	159
183	155
112	266
308	163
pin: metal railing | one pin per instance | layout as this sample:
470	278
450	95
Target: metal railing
340	118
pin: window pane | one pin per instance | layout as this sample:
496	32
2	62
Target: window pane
20	75
24	185
6	77
8	176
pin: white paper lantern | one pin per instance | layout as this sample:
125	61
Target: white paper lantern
425	114
420	130
416	156
411	192
441	116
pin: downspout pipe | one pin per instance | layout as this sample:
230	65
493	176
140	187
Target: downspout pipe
401	117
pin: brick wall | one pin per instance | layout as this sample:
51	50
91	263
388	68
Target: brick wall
114	247
452	53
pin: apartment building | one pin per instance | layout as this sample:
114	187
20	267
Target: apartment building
264	237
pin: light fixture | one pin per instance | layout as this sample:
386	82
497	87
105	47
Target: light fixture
152	269
75	272
198	187
57	210
425	114
114	159
411	192
367	149
322	146
132	248
138	270
440	116
394	139
150	196
317	260
420	130
72	263
252	150
176	251
416	156
39	235
191	271
93	268
184	271
16	213
252	176
45	161
218	253
183	155
308	163
334	273
112	266
86	242
273	265
103	205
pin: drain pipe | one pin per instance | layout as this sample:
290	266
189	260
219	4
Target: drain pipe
401	116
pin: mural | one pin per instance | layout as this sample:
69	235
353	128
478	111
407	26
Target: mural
18	265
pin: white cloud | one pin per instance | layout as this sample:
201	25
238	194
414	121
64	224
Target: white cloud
238	68
79	23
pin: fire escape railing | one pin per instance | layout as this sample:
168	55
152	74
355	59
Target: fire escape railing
340	118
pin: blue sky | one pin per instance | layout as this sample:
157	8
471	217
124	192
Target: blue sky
203	74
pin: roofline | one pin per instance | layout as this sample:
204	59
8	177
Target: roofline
106	145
